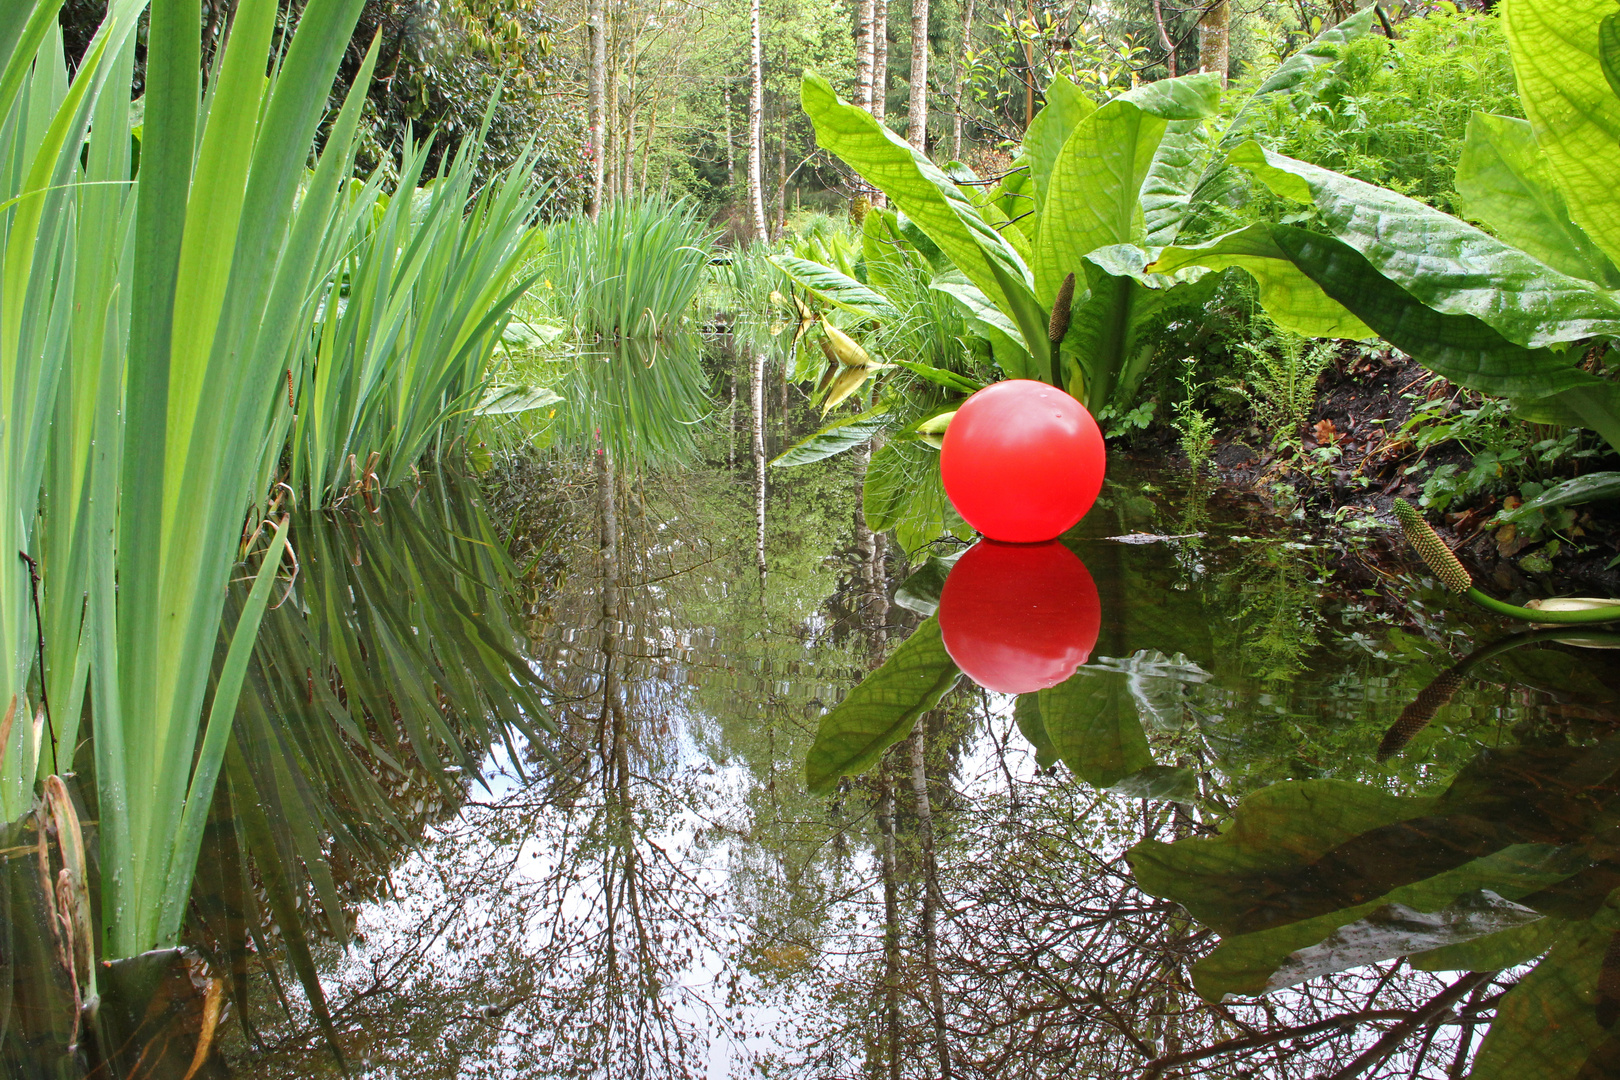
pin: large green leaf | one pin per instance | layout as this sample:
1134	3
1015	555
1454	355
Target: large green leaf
1027	714
881	710
1325	49
1172	180
1106	341
835	438
1573	109
928	197
1065	107
1464	349
921	590
1290	297
1093	728
1443	261
1005	337
1546	1026
1095	193
1582	489
903	492
837	288
1504	181
1609	51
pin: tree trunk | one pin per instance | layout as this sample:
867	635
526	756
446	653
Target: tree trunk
1214	40
756	109
931	897
917	116
891	920
595	27
611	150
956	79
731	426
780	217
863	54
1164	40
757	397
731	153
1029	71
880	58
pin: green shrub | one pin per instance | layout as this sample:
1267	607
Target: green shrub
1395	113
1280	378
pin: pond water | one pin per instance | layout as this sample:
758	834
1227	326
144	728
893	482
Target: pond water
1288	820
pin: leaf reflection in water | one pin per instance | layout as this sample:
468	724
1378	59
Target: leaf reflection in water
671	900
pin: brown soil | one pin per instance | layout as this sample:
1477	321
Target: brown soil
1360	407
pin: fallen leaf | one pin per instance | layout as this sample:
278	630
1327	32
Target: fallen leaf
1326	434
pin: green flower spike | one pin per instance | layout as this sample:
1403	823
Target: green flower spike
1444	563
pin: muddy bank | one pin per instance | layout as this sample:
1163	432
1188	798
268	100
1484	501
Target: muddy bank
1358	453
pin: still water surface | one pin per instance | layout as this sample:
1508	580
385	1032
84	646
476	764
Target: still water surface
652	890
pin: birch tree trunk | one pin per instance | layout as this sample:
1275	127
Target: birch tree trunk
880	58
757	398
917	114
931	897
756	109
731	153
1214	40
595	27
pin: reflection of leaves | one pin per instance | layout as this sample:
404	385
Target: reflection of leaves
1304	879
920	592
882	709
1556	671
1086	718
1159	782
1027	714
1546	1026
1493	952
1283	955
903	492
1395	929
835	438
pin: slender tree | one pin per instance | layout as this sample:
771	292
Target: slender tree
1164	39
731	151
1214	40
596	32
880	58
956	78
917	115
931	894
864	15
756	110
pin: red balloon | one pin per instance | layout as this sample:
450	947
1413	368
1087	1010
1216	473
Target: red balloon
1022	461
1019	617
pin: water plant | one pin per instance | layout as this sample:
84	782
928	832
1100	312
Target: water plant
400	353
635	271
184	304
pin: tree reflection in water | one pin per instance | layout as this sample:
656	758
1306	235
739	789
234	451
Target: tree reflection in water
671	901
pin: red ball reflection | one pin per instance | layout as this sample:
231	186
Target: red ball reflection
1019	617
